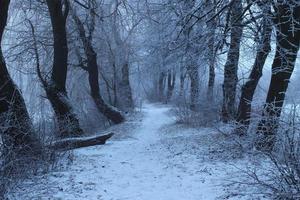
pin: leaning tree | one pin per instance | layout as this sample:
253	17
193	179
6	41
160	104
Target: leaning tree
19	143
55	88
92	67
15	124
262	52
286	19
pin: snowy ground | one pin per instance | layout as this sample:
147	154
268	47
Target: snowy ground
157	159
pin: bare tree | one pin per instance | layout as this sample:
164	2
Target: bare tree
56	87
15	124
231	65
122	53
191	55
286	19
248	89
92	67
161	85
212	26
19	143
171	84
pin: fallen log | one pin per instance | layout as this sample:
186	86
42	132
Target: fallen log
75	143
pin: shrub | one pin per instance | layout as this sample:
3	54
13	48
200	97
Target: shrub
205	115
280	173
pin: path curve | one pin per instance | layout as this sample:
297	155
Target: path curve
136	168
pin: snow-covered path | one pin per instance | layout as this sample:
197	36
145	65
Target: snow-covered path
141	167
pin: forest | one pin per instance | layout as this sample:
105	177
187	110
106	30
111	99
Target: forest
149	99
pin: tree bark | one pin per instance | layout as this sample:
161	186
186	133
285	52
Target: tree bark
75	143
191	55
161	85
287	46
92	68
231	65
67	120
248	89
15	124
182	82
212	25
21	147
125	88
122	59
171	85
194	94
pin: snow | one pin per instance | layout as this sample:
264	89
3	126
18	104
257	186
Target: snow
158	160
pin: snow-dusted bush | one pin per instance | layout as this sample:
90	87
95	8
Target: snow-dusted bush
16	164
205	115
280	174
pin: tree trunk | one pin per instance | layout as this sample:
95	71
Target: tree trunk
212	74
114	84
191	54
287	46
122	59
15	124
125	89
212	25
68	122
21	147
75	143
171	85
194	94
231	65
161	85
108	111
248	89
92	67
182	81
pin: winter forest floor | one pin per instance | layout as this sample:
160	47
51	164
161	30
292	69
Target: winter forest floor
148	158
